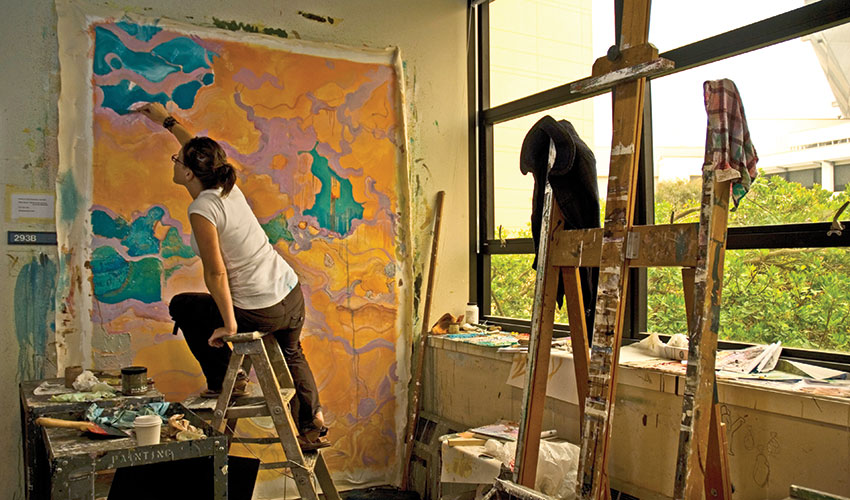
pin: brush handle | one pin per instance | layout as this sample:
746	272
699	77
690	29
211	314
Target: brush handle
64	424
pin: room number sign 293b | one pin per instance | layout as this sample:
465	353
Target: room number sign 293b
31	238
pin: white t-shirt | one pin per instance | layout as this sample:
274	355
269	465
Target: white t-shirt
258	275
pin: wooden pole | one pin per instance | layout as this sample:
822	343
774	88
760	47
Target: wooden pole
613	264
540	342
413	416
697	404
578	335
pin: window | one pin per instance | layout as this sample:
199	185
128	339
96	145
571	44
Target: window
842	177
806	177
777	237
536	45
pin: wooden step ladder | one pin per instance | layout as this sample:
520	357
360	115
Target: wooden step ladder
263	352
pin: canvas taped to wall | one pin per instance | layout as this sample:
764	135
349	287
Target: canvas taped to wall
317	135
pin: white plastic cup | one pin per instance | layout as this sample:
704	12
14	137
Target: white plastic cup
147	429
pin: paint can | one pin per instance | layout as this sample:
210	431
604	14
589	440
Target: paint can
71	374
134	380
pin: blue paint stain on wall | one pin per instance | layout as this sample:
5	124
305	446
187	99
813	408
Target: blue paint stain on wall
141	239
140	31
170	270
173	246
334	209
35	293
276	229
184	95
138	236
69	197
115	279
184	53
104	225
181	54
151	66
119	97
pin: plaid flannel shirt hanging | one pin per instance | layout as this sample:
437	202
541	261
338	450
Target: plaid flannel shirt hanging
728	149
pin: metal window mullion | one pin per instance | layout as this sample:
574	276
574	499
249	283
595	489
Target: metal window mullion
473	107
637	306
485	160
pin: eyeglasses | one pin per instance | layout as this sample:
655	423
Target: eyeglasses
176	159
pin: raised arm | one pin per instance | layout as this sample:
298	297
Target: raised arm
157	113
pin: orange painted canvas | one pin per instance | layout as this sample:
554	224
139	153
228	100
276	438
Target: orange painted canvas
317	139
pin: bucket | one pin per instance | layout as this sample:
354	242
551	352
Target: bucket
71	374
147	429
134	380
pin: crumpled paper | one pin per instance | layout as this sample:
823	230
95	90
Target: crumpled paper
557	465
88	382
675	348
182	430
123	418
47	388
77	397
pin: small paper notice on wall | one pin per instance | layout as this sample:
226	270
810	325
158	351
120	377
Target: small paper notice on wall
33	206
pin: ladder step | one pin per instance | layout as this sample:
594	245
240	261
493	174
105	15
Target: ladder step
310	458
243	337
255	406
256	440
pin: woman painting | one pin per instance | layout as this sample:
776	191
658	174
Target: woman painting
251	287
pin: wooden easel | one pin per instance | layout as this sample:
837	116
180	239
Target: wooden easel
615	248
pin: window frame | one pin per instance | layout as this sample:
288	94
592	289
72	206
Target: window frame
793	24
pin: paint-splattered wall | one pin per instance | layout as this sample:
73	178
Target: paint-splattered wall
432	39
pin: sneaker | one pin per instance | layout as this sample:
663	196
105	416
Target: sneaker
307	444
319	423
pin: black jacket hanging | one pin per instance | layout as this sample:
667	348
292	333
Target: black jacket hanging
573	181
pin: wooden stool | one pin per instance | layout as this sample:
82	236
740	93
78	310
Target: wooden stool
263	352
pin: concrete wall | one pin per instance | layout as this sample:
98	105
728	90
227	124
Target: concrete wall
432	39
775	438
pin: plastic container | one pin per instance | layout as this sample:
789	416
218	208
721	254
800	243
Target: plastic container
148	428
470	314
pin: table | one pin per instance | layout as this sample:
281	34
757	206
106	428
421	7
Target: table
74	459
33	406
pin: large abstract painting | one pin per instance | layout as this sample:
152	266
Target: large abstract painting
316	133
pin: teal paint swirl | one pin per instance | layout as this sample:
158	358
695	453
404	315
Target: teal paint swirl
69	197
180	54
116	279
150	65
173	246
119	97
334	214
276	230
35	294
139	31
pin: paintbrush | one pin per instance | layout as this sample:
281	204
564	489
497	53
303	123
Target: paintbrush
92	429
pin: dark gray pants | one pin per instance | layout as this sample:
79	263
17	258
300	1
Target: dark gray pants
197	316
